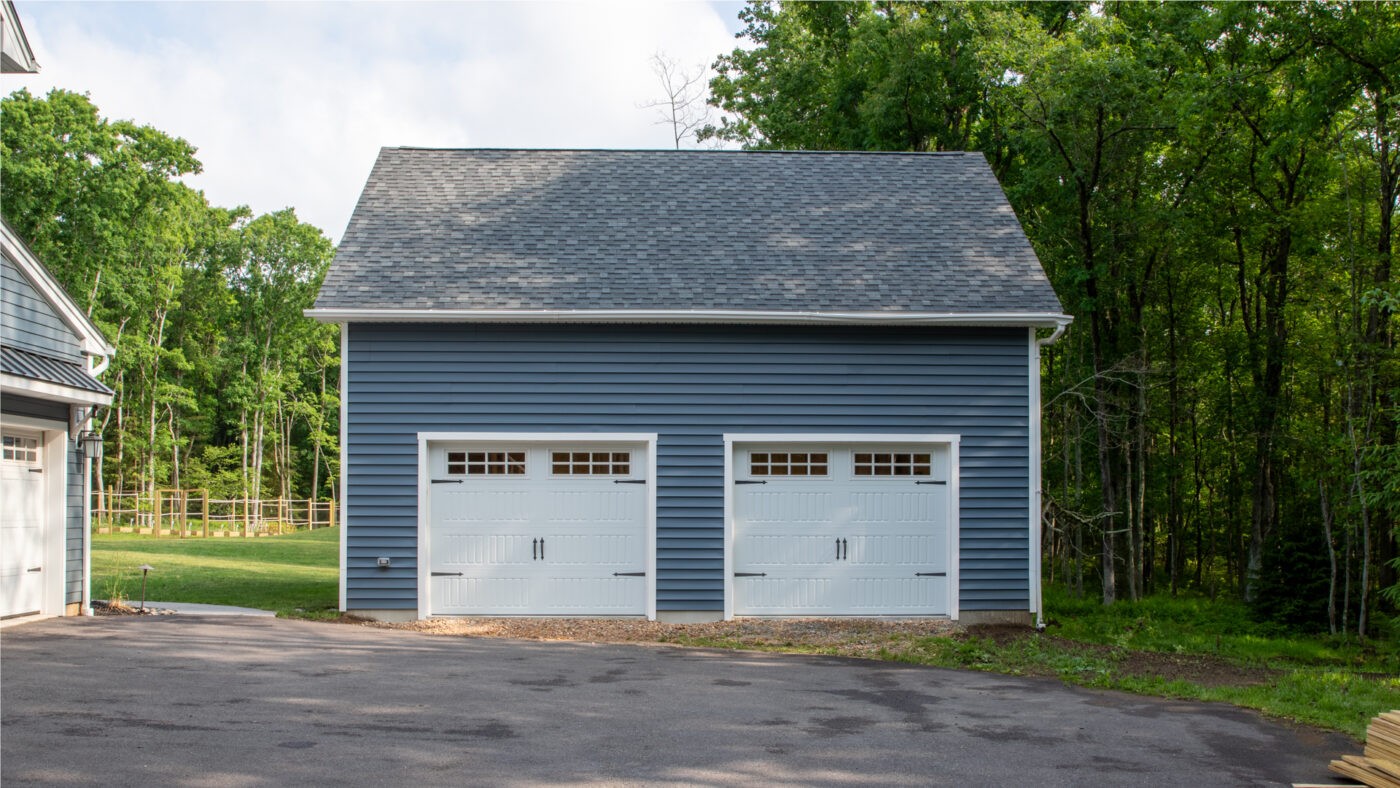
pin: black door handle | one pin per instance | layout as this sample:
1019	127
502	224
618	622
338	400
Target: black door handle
541	548
845	550
838	549
534	549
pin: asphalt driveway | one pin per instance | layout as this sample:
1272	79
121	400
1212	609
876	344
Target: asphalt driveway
203	701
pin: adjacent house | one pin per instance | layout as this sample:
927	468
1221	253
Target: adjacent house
50	356
689	386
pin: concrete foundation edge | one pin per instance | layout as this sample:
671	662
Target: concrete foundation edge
689	616
1014	618
387	616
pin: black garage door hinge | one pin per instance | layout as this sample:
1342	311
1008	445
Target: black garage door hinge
930	574
939	481
750	574
447	481
447	574
750	481
629	481
629	574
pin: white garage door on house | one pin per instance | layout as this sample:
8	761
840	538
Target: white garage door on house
541	529
23	524
843	529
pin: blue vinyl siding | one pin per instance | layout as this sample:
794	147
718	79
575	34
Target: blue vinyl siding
29	321
73	545
690	385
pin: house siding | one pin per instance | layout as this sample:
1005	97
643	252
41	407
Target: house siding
690	385
73	542
29	321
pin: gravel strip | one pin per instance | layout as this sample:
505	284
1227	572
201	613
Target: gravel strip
817	633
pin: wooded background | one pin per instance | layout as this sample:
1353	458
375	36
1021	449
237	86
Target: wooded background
221	382
1211	188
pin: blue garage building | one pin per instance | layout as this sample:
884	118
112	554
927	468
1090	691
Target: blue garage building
689	385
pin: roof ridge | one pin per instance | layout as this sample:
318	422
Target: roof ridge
671	152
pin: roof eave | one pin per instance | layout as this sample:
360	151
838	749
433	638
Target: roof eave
691	316
49	390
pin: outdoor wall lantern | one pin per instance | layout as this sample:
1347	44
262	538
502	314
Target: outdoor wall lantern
90	444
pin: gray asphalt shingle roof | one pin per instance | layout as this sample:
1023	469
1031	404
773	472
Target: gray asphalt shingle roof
691	230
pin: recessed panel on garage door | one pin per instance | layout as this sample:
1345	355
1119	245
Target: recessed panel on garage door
825	530
530	529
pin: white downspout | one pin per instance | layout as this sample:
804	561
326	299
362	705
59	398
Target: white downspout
83	423
87	535
1037	592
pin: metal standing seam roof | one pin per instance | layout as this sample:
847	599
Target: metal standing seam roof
34	366
690	230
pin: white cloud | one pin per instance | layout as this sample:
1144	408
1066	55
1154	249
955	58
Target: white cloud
290	102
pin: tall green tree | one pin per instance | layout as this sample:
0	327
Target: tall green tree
1212	189
215	361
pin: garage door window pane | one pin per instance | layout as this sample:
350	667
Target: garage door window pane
893	464
486	463
788	464
19	449
591	463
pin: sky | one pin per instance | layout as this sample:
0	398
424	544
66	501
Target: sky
289	102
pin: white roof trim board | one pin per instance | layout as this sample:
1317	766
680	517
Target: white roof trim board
16	56
687	316
484	235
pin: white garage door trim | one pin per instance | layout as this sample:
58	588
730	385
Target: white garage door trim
938	441
53	443
532	438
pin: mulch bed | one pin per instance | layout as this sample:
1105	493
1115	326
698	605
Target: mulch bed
847	637
103	608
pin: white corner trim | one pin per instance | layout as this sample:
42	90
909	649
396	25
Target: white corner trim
730	316
648	439
951	441
425	602
93	343
344	464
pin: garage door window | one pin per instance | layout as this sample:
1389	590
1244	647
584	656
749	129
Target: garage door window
22	450
486	463
893	464
591	463
788	464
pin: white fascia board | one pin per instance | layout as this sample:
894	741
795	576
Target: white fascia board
88	334
1054	320
15	51
39	389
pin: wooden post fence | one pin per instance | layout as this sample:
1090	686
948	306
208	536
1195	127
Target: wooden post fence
170	511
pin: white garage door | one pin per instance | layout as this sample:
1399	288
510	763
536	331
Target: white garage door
831	530
23	525
538	529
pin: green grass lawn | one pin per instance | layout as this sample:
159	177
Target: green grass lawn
283	573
